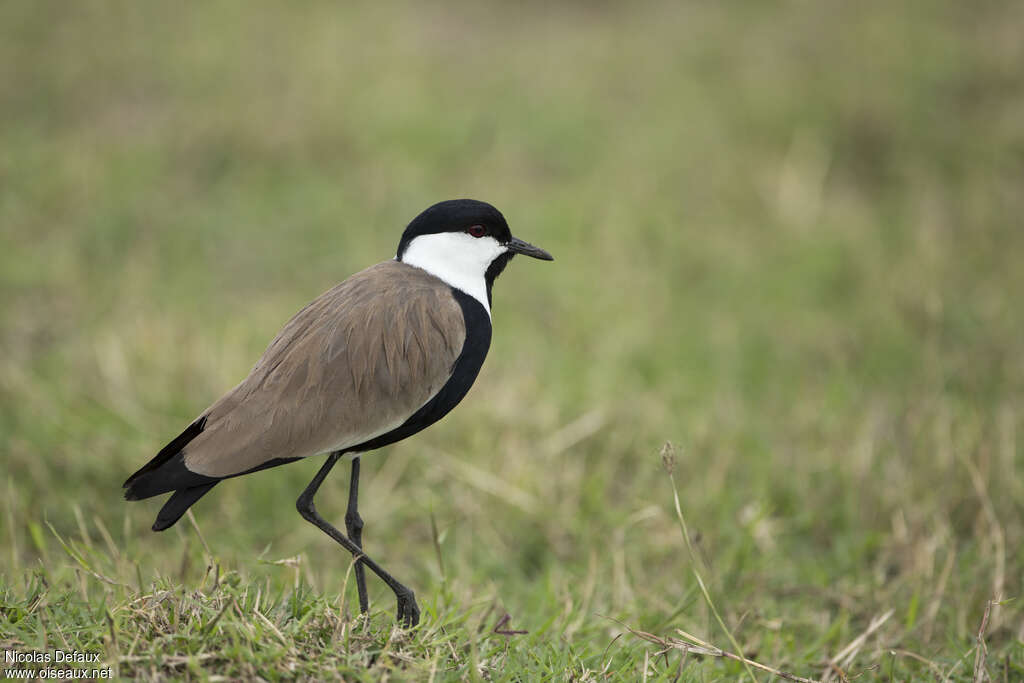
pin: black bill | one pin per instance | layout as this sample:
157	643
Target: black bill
518	246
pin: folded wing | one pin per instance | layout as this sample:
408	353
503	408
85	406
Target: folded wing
352	365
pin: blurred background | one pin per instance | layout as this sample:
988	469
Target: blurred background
787	235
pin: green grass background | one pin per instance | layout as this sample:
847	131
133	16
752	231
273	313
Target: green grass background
788	239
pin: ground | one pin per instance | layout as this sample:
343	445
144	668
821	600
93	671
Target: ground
788	241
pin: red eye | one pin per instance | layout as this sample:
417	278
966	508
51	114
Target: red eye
477	230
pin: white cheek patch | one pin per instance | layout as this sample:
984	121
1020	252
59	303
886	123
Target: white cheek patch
459	259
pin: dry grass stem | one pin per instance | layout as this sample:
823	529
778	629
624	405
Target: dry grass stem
842	660
694	645
981	649
668	459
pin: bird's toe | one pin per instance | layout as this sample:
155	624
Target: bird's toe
408	612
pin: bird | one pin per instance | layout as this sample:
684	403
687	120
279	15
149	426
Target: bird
375	359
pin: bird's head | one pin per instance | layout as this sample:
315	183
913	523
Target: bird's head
464	242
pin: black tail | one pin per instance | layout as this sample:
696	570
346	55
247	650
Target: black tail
177	504
167	472
134	485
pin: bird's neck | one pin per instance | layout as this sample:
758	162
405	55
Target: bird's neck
465	271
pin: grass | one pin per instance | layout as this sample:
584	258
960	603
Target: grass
788	240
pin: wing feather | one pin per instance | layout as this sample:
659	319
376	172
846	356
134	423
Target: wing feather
352	365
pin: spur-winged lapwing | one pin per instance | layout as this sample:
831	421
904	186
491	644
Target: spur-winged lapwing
375	359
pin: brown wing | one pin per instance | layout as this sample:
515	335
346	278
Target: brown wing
352	365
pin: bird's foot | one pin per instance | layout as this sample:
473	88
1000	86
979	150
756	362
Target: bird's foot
408	612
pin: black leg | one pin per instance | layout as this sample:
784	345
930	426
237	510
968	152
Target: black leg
354	528
408	612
